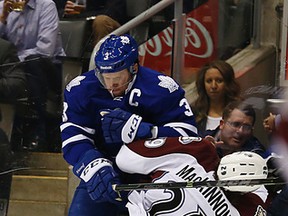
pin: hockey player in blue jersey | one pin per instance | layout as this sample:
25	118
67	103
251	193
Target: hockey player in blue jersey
150	103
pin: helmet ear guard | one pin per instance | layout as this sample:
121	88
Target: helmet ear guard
242	165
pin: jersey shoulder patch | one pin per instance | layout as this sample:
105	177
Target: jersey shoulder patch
75	82
168	82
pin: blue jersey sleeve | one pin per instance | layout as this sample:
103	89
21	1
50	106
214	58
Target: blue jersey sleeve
78	120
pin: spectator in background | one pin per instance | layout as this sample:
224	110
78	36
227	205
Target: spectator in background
235	132
102	26
12	77
116	9
41	38
34	31
216	87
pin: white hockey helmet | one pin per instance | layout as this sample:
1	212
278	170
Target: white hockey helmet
241	166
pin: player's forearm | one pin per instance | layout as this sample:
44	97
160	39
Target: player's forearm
73	153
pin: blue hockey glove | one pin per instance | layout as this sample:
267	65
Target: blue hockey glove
99	176
121	126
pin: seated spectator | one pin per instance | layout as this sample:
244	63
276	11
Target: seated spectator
29	41
235	132
116	9
12	77
102	26
216	87
35	33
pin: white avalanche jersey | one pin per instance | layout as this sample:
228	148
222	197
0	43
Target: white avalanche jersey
175	160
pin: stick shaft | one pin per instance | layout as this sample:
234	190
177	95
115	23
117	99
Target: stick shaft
215	183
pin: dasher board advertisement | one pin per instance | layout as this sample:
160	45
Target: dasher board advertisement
201	37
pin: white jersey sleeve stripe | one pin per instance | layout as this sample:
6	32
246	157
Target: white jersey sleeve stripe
68	124
76	138
182	125
181	131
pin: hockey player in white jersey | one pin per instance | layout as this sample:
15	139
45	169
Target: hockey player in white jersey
130	91
192	159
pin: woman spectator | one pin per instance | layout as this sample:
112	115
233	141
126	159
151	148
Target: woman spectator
216	87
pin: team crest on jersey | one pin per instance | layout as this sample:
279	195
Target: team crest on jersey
260	211
168	82
75	82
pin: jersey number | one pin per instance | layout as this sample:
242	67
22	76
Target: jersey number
188	110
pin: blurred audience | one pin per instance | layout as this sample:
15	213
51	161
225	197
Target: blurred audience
35	33
216	87
116	9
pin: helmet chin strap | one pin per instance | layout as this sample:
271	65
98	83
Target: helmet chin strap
111	92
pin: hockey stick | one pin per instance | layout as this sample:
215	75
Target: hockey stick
215	183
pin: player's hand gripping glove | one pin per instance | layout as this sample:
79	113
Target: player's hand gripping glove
121	126
99	176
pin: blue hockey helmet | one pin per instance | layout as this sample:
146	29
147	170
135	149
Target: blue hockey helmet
116	53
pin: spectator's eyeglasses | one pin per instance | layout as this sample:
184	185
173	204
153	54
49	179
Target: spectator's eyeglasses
238	125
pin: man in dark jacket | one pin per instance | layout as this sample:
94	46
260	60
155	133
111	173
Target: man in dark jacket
235	132
12	77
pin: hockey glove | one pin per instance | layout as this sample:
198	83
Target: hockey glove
99	176
119	125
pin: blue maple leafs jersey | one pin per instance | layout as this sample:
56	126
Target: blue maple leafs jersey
154	96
